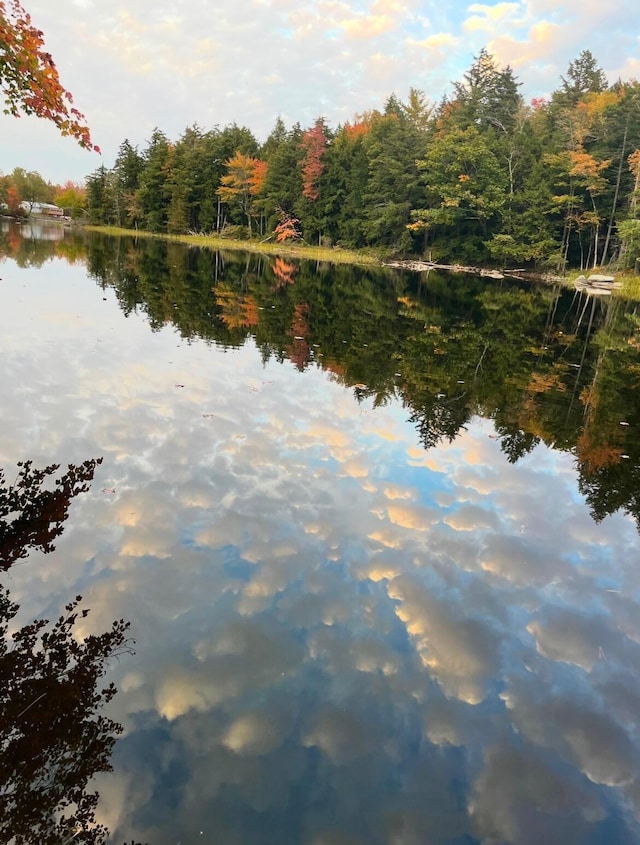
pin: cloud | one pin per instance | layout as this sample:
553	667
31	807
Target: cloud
471	518
520	561
341	735
522	797
412	516
459	650
577	729
486	17
254	733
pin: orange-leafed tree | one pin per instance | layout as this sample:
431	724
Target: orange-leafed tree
287	229
313	143
242	183
13	200
29	80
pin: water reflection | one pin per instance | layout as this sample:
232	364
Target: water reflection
343	636
54	736
546	364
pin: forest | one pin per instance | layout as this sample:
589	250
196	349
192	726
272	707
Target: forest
481	176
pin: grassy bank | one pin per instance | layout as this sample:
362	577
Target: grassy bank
334	255
630	286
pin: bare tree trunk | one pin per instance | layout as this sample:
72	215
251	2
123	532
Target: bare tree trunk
605	248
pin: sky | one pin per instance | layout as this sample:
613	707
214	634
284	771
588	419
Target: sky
132	65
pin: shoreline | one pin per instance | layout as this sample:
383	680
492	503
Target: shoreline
630	288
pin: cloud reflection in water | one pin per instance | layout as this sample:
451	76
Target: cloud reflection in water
341	638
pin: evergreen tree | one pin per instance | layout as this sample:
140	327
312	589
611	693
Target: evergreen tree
584	76
282	186
487	96
101	197
392	146
128	166
153	194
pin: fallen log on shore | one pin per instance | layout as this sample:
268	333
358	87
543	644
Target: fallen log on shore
425	266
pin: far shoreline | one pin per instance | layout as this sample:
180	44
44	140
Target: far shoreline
338	255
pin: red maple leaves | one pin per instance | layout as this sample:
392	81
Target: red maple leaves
29	79
313	144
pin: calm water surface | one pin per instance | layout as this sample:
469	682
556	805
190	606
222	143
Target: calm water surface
376	535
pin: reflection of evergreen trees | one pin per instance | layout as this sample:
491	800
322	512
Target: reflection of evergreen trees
53	737
545	363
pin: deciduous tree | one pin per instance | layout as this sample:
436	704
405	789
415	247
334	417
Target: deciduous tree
242	182
314	141
29	79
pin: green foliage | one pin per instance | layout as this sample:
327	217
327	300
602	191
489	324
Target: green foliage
487	96
31	187
152	196
392	145
101	196
464	184
584	76
629	233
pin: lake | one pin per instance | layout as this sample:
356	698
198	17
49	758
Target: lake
376	533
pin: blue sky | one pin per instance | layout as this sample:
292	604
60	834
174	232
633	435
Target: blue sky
136	64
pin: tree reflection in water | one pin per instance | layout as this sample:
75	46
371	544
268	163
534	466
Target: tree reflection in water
53	738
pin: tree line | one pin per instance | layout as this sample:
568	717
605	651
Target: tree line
21	189
480	176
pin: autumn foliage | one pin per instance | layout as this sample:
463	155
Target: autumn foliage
242	182
29	79
287	229
237	310
314	142
284	272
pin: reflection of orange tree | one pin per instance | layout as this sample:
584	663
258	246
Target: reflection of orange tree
298	350
53	740
237	310
337	370
13	241
284	272
594	450
531	420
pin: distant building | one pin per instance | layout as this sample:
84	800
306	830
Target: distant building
44	209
